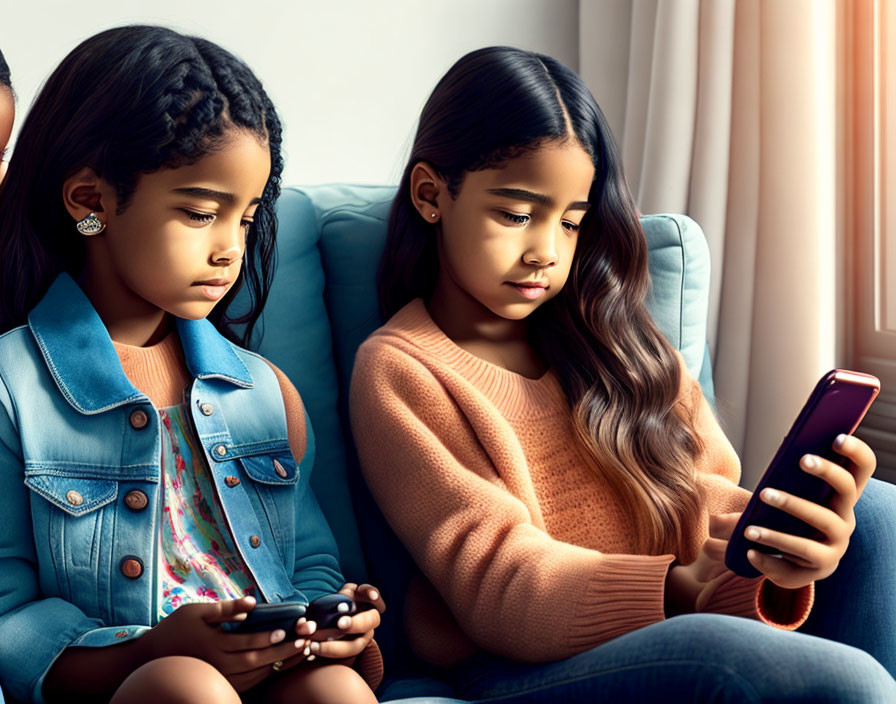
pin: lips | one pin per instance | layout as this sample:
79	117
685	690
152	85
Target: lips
213	289
530	289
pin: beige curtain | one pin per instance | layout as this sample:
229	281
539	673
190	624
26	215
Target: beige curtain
725	111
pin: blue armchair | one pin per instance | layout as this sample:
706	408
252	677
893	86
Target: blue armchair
322	306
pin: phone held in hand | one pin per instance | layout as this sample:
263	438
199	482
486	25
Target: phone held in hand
325	611
837	405
268	617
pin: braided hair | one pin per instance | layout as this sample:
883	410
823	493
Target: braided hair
125	102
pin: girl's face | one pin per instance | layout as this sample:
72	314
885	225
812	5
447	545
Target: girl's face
178	246
7	117
507	241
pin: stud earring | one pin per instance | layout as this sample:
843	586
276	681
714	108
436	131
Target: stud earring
433	215
90	225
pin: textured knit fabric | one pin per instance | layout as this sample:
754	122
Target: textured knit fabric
198	558
526	551
160	372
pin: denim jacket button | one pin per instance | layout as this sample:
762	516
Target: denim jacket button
254	541
136	500
231	481
132	567
74	498
121	634
281	472
139	419
206	409
220	450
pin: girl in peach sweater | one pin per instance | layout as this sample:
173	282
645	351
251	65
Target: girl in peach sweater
546	457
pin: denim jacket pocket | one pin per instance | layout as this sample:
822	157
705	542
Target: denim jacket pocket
277	469
273	490
74	495
73	519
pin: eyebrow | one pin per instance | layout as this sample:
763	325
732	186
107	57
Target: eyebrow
220	196
533	197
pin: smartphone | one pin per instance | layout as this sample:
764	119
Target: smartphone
326	611
837	405
268	617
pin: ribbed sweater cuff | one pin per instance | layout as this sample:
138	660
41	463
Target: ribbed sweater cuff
758	598
628	593
369	664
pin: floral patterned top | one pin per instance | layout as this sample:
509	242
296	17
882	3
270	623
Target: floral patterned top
198	558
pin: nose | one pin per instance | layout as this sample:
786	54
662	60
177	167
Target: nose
542	247
229	245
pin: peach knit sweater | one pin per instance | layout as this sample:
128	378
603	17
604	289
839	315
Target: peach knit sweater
160	372
525	551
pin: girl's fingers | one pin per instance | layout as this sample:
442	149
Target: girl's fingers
715	549
722	525
841	480
833	526
370	594
238	642
227	610
265	657
305	628
360	622
339	649
349	589
800	551
861	456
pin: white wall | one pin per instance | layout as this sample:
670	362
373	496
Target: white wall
348	77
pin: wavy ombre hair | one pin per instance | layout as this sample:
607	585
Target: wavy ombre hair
620	375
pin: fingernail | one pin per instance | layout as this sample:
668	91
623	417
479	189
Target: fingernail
310	658
302	620
307	650
315	647
312	627
344	622
373	595
300	643
753	533
811	462
771	496
277	636
838	442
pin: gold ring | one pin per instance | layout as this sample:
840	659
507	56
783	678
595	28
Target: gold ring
277	665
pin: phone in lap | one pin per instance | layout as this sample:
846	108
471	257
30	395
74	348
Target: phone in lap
837	405
268	617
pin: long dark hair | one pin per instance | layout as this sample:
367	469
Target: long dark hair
620	376
128	101
4	73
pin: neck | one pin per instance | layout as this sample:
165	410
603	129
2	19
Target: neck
128	318
465	320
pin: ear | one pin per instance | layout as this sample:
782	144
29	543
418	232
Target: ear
427	187
84	192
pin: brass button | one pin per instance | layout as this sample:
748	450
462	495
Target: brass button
281	472
254	541
220	450
206	408
136	500
74	498
231	481
139	419
121	634
132	567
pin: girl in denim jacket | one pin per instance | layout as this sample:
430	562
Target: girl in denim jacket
153	474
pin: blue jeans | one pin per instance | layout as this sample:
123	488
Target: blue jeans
717	658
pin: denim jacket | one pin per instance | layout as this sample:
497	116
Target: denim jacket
78	443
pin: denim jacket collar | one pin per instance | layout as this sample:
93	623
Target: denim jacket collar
79	353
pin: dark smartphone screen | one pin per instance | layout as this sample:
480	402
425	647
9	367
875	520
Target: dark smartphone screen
837	405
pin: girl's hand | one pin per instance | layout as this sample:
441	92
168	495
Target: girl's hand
806	560
245	659
363	622
684	583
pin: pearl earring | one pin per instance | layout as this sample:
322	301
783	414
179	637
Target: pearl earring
90	225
